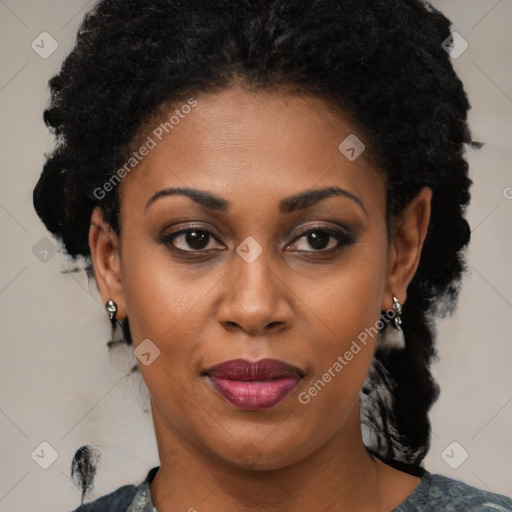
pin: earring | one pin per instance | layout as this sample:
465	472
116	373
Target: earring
393	335
397	319
111	308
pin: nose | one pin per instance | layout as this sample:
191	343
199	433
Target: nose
255	299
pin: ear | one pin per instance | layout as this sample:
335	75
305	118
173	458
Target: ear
104	246
408	233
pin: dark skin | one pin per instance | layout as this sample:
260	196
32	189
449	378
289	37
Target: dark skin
299	302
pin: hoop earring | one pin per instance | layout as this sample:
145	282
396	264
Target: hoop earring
111	308
393	335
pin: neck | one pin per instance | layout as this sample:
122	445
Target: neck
339	476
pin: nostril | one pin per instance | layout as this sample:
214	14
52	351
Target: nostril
230	326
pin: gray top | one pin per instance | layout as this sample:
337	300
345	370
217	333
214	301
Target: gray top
433	493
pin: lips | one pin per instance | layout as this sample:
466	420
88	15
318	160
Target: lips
254	385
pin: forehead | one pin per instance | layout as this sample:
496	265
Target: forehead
236	144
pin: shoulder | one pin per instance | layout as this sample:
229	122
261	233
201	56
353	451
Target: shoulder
120	499
116	501
437	492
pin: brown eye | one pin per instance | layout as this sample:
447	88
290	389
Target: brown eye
322	240
196	239
318	239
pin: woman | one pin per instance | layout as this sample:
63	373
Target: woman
272	196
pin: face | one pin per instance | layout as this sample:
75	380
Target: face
256	272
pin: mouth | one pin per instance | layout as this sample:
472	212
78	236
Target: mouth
254	386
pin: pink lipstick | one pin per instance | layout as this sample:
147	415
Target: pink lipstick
254	385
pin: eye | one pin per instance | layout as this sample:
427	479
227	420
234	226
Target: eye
319	238
197	239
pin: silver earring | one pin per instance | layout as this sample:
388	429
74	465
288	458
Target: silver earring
397	319
111	308
393	335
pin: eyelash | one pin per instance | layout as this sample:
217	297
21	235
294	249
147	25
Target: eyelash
343	239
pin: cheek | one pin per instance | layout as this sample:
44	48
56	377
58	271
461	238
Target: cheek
349	307
161	297
165	307
167	303
350	301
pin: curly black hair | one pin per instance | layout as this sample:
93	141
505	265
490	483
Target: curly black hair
381	62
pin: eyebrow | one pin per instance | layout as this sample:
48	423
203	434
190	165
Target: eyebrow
290	204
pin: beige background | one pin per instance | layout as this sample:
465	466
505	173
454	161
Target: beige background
59	386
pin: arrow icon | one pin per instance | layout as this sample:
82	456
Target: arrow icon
455	45
249	249
147	352
44	250
454	455
351	147
44	45
44	455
